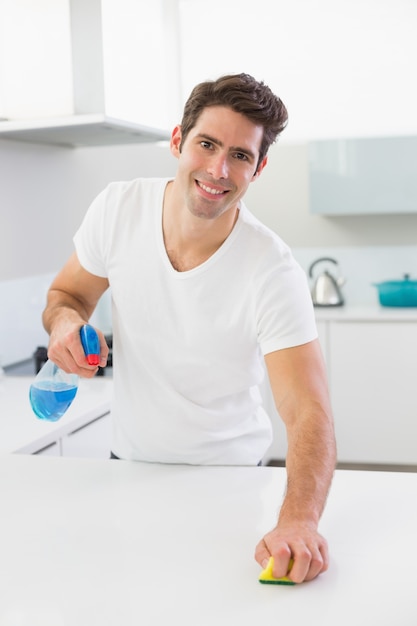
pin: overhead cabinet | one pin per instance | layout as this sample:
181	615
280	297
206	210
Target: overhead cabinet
365	176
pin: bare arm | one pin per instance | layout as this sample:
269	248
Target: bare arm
299	386
71	300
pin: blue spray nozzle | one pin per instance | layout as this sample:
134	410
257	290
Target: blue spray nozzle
91	344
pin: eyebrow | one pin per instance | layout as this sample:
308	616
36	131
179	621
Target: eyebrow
249	153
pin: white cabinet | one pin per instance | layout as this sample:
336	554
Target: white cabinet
373	373
91	440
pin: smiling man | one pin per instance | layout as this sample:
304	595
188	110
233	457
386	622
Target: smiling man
203	294
217	161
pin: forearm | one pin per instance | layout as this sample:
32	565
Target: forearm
72	298
310	466
298	381
63	309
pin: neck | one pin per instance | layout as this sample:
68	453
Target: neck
190	240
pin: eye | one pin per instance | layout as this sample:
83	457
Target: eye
241	156
206	144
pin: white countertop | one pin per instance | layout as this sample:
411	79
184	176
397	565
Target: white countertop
21	431
376	313
100	542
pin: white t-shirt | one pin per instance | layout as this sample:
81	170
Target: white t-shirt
187	346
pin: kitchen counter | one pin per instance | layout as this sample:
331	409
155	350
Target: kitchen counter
21	431
87	542
376	313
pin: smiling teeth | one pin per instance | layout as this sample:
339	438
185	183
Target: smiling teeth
214	192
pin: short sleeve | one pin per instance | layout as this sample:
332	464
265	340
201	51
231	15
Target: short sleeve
285	313
90	239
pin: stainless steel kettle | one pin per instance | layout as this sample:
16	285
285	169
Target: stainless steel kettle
326	288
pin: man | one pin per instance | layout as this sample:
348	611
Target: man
201	293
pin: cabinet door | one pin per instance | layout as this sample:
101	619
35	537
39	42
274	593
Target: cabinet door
373	380
92	440
364	176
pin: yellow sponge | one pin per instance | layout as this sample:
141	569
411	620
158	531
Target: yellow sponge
266	577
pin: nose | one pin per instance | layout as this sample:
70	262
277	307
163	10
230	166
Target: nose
218	166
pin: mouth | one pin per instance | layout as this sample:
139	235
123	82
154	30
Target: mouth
210	190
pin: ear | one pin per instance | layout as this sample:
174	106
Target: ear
261	166
175	142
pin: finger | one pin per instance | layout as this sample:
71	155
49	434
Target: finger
324	551
282	557
283	560
298	564
72	360
262	554
309	563
316	566
320	562
295	560
104	350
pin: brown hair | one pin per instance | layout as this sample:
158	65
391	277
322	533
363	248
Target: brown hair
243	94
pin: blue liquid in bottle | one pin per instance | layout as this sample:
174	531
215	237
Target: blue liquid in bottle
50	400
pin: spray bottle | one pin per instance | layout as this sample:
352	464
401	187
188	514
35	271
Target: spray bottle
53	390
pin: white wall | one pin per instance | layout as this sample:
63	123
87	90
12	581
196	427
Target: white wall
45	191
342	67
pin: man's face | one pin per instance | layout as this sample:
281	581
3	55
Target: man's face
218	161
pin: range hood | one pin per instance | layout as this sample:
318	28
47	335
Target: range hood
89	125
80	130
